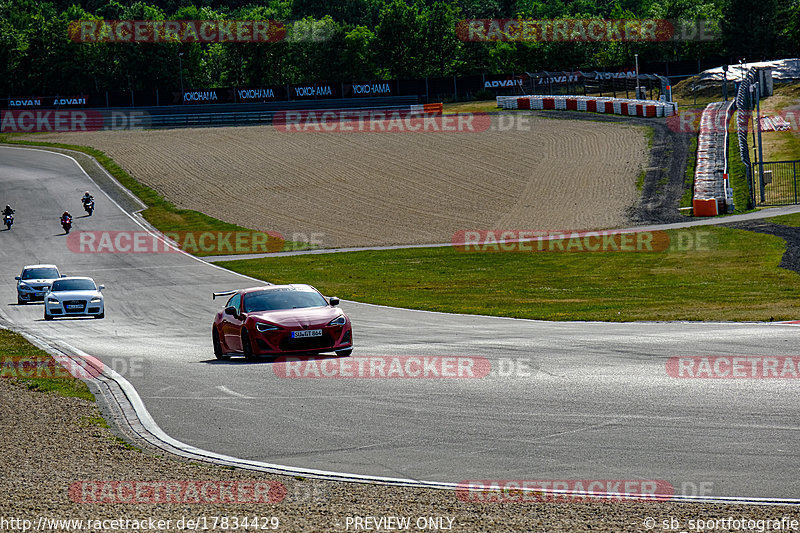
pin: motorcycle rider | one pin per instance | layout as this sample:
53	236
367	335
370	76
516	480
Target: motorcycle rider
8	216
87	198
66	217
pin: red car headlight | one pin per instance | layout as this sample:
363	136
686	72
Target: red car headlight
263	326
340	320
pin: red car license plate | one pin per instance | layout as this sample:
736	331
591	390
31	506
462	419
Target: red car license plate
307	333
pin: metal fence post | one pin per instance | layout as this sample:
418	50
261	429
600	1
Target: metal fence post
758	129
794	180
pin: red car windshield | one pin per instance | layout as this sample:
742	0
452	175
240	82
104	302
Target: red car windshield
276	299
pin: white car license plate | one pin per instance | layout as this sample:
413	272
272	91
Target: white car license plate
307	333
75	306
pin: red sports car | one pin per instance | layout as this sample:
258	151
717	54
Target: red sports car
280	319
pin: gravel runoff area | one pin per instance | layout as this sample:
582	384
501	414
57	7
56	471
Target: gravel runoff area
373	188
49	443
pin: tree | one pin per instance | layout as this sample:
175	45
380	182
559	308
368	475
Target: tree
750	30
399	40
358	54
314	47
441	47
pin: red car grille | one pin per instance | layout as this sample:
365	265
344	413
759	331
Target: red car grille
307	343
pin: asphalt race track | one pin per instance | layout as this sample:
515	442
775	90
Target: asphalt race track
562	401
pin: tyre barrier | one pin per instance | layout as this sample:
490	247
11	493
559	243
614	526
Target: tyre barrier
713	194
616	106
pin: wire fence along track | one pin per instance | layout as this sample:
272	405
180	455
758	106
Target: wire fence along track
780	182
744	106
779	185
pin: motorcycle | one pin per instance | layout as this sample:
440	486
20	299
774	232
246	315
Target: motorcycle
8	220
88	205
66	223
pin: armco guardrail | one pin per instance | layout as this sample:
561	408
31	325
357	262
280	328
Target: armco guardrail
201	116
194	116
712	192
617	106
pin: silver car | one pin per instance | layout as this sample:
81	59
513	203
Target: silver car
74	296
35	282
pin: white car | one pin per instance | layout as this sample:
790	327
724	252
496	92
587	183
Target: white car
74	296
34	282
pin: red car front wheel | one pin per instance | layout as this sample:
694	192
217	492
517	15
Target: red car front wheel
247	348
217	345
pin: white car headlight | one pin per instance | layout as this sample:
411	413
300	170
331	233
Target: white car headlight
96	299
52	300
24	286
338	321
262	327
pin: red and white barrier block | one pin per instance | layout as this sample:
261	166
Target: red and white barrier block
616	106
428	109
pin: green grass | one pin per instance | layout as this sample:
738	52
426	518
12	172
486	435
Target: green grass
735	277
792	220
14	347
687	96
481	106
125	444
781	145
649	134
161	213
98	421
737	174
640	180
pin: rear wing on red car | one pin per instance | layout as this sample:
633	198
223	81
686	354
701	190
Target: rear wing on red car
224	293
